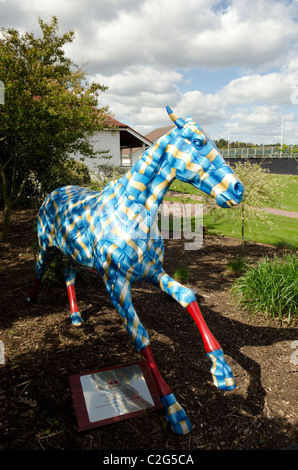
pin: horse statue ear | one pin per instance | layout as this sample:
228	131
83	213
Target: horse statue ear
176	119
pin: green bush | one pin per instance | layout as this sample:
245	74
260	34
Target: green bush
54	274
55	270
181	275
106	172
236	265
270	287
69	172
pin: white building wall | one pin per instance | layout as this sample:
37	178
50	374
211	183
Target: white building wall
104	141
136	156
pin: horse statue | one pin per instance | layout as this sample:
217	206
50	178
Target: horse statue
97	230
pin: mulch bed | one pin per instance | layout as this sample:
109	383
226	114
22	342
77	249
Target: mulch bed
42	349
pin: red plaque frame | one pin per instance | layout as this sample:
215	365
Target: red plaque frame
80	406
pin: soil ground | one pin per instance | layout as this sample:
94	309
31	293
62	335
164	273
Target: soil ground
42	349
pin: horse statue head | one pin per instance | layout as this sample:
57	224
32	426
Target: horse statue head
194	158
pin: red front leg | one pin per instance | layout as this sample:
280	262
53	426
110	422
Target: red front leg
210	343
221	372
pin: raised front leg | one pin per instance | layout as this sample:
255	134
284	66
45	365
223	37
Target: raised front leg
221	372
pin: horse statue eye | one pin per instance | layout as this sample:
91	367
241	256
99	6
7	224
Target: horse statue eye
198	143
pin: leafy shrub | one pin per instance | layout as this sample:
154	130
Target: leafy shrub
236	265
270	287
181	275
69	172
259	194
54	274
106	172
55	270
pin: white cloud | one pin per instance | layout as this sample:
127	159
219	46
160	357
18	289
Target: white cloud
205	108
168	33
140	93
273	87
138	79
141	49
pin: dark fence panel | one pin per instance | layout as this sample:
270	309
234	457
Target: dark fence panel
281	166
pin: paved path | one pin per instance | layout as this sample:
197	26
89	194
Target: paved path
293	215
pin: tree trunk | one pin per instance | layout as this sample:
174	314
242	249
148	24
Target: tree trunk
10	202
6	222
242	230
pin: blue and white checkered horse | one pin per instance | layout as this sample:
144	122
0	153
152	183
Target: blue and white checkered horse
98	230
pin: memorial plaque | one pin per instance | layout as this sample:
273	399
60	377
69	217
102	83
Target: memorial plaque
109	395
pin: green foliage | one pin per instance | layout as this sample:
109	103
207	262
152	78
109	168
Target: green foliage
54	274
291	149
282	231
181	275
66	173
259	193
270	287
224	144
55	270
106	173
261	226
236	265
287	199
49	110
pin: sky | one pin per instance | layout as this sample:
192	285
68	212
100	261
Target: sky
230	65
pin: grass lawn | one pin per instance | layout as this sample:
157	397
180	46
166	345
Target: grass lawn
289	191
284	230
182	187
288	185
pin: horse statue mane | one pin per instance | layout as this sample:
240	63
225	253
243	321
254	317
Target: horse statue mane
113	233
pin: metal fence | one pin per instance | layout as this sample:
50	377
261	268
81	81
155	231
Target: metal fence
258	152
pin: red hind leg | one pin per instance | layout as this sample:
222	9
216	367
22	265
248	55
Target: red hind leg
162	387
75	315
174	413
34	292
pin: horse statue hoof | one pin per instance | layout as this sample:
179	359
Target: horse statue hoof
175	415
221	371
76	319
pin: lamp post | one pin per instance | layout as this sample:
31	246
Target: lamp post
228	126
282	133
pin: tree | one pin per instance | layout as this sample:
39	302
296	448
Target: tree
49	112
259	194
